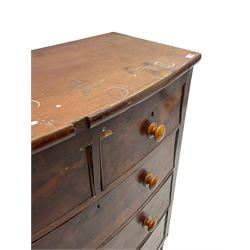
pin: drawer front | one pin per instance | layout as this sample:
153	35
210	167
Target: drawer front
132	235
96	223
123	148
60	181
155	239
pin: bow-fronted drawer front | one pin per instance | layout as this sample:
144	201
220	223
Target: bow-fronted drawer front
121	148
103	218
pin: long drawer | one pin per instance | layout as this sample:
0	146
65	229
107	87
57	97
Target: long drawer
133	234
155	239
96	223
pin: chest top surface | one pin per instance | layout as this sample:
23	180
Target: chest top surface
91	77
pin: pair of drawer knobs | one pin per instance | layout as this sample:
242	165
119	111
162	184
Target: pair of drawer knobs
155	131
150	180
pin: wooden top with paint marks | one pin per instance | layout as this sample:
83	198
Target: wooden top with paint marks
83	82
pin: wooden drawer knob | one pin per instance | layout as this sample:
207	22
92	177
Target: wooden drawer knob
156	131
150	180
150	223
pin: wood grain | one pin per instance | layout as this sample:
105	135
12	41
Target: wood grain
60	180
86	80
134	234
92	102
104	217
125	147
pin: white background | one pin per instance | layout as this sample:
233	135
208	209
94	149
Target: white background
212	199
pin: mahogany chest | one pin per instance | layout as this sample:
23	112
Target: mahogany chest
107	122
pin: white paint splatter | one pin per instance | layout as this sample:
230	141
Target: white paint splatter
34	123
49	124
36	102
164	65
189	55
58	106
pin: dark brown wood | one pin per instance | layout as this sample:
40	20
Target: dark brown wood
130	144
152	162
60	180
92	103
128	198
93	78
134	233
122	120
178	143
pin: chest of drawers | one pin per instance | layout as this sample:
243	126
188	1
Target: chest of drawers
107	121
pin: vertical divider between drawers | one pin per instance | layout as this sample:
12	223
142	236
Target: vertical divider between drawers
90	167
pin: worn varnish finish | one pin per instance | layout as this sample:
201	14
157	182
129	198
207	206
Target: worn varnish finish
92	103
133	141
116	124
95	221
91	78
60	180
133	234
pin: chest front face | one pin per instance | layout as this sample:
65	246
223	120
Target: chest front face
104	171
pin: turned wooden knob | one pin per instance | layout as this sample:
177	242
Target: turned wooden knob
150	180
150	223
156	131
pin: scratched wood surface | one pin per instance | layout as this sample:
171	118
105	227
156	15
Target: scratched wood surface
78	81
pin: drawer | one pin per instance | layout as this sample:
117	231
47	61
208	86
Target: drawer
155	239
100	220
60	181
133	234
124	147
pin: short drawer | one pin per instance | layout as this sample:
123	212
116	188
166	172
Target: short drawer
123	148
103	218
60	181
133	235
